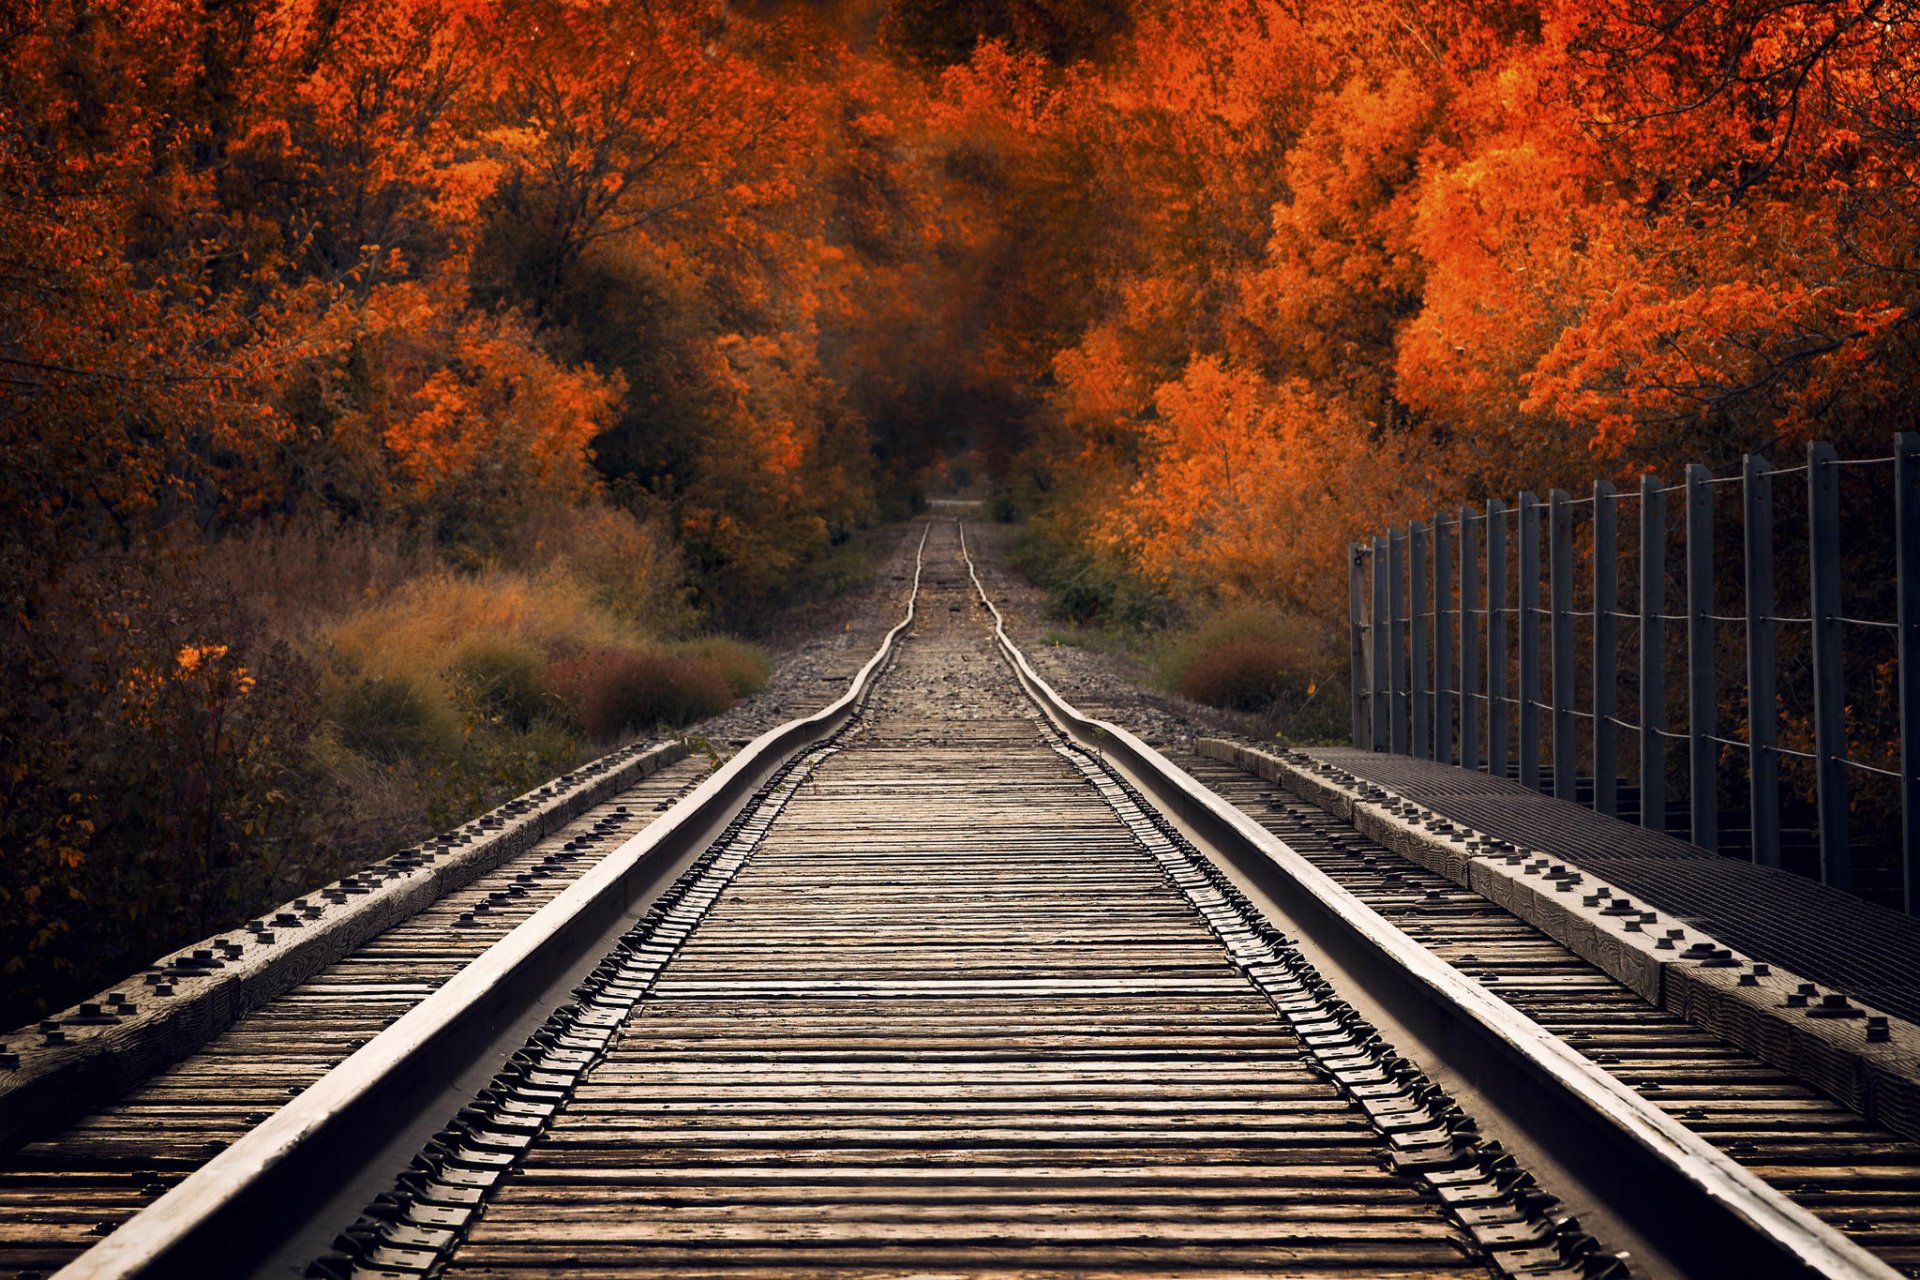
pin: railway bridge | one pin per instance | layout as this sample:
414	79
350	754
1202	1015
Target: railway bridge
950	976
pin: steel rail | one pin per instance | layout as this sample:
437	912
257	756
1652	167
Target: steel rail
233	1212
1670	1192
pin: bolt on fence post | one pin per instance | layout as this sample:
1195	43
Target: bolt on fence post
1702	703
1378	694
1763	703
1420	687
1653	654
1906	516
1469	648
1356	650
1442	642
1529	585
1606	656
1560	602
1397	639
1496	637
1829	680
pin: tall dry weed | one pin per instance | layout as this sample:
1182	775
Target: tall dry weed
418	630
297	578
629	560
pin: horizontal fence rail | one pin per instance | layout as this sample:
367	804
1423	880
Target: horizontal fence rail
1775	742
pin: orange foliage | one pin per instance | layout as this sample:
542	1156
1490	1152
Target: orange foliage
436	257
1248	485
475	415
1496	247
435	268
1220	285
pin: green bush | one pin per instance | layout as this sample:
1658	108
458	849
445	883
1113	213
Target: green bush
391	718
618	691
521	759
1085	589
503	678
745	667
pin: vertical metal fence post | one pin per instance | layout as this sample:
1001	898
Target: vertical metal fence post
1397	640
1560	602
1469	646
1356	650
1442	641
1763	703
1529	605
1829	680
1496	637
1606	654
1378	694
1420	688
1703	753
1906	517
1653	654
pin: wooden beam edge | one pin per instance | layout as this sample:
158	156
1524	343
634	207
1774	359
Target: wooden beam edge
49	1085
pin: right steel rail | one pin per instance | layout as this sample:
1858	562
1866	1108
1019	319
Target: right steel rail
1682	1204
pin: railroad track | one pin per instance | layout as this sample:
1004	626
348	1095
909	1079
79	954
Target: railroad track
944	979
60	1194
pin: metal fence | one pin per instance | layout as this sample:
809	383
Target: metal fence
1456	658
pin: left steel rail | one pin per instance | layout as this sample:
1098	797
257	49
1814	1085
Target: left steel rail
235	1211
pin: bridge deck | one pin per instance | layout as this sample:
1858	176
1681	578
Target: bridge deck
935	1004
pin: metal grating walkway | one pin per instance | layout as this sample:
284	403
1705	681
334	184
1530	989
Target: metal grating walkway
1833	938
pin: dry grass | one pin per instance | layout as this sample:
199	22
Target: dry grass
629	562
414	630
510	648
297	579
743	666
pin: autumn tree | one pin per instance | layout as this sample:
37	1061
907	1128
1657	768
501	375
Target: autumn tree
1495	247
1766	151
426	266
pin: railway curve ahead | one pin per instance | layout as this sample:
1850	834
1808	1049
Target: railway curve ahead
950	979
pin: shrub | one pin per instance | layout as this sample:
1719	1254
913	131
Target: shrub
503	678
618	691
522	759
1247	659
152	735
745	667
391	718
1241	675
